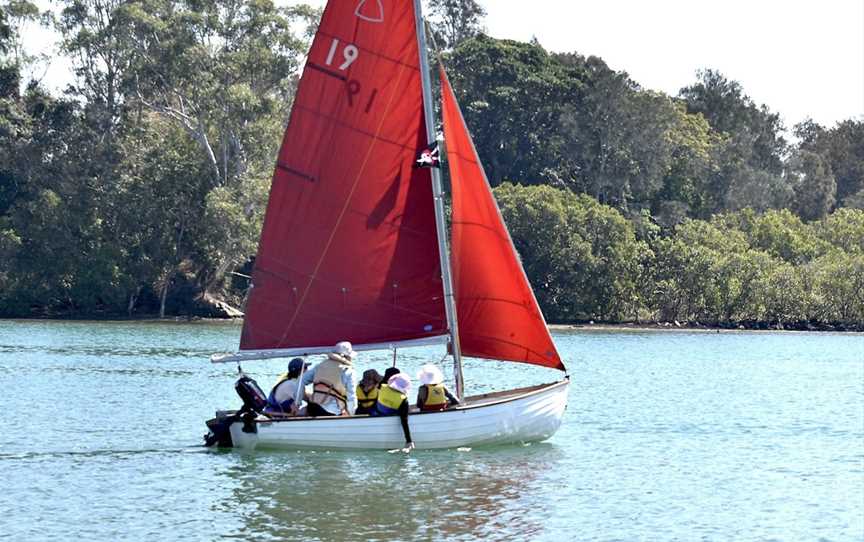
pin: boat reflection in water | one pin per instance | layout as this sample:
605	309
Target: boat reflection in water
447	495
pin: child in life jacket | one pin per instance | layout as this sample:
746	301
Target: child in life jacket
367	392
393	401
433	395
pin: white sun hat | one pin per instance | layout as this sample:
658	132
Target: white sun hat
400	382
430	375
345	349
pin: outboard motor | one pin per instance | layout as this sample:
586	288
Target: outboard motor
254	401
254	398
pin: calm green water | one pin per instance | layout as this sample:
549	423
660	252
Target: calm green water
667	436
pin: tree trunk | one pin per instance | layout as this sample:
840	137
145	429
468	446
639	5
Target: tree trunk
162	298
132	299
201	135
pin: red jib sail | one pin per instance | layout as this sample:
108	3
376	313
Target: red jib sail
497	313
348	250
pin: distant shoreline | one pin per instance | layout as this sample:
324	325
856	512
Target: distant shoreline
688	327
579	326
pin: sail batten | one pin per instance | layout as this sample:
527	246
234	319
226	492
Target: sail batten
499	317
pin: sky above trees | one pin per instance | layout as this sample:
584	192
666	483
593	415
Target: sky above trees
801	58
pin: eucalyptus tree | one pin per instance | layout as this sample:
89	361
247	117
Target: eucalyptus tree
454	21
222	70
220	74
14	15
814	185
511	95
225	73
694	155
96	36
729	110
617	135
754	150
842	148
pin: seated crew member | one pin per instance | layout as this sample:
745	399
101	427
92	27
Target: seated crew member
334	390
393	400
390	371
284	393
367	392
433	395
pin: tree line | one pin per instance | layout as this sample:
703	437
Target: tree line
587	261
139	189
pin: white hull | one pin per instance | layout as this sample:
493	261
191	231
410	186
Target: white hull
524	415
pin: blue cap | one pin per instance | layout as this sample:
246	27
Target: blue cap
296	364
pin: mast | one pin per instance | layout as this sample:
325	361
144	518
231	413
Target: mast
444	253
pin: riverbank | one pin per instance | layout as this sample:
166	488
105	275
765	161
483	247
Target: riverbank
588	326
714	328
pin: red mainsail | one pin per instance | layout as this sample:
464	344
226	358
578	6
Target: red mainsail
349	249
497	313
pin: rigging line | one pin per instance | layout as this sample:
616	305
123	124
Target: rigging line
344	207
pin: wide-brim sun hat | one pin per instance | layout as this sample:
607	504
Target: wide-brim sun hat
430	375
390	372
345	349
400	382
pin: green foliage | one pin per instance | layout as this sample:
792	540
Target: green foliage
815	186
145	185
756	130
781	234
842	149
785	294
839	288
511	95
454	21
844	229
617	135
770	267
686	190
582	257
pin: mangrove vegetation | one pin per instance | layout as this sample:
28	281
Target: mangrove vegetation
139	189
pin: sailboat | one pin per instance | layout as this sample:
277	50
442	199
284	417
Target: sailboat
354	246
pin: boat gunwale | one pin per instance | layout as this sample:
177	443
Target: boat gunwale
528	392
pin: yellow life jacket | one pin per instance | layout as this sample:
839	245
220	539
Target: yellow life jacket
436	399
328	383
389	401
367	400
